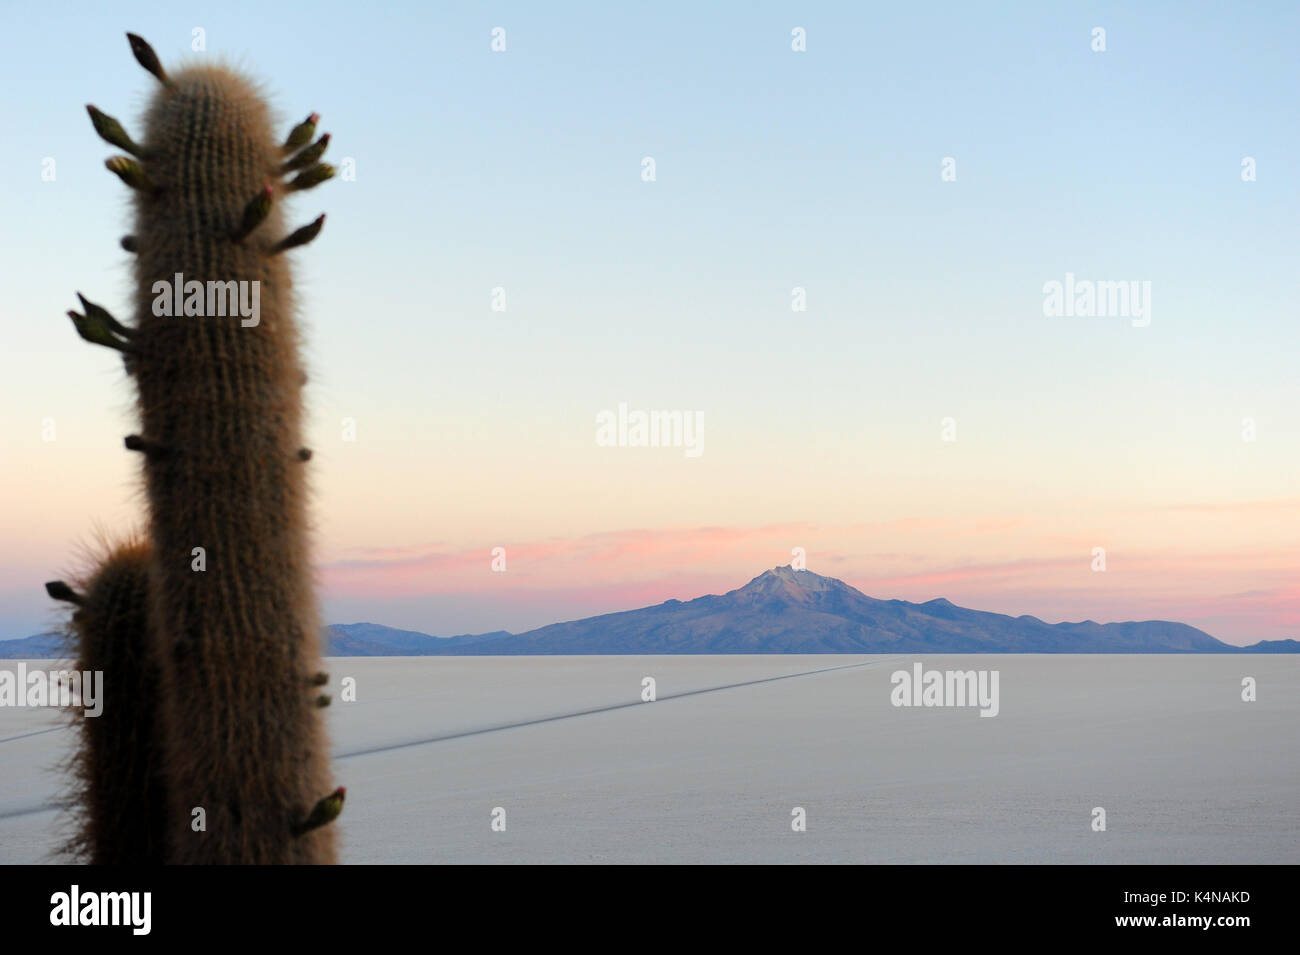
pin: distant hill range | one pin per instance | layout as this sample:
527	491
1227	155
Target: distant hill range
43	646
780	611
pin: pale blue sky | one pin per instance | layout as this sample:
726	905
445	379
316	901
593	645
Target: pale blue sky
775	169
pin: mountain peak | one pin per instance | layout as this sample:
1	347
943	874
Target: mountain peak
787	582
785	572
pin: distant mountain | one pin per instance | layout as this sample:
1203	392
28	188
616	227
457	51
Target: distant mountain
796	611
376	640
42	646
780	611
1273	646
339	640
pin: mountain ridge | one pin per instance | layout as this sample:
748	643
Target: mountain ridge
781	610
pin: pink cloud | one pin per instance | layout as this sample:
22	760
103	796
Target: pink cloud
623	559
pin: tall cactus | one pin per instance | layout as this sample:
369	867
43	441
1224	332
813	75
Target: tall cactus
220	397
118	760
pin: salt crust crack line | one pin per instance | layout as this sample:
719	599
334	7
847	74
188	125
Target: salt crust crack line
605	709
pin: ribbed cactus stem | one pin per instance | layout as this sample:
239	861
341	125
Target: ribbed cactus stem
118	761
221	405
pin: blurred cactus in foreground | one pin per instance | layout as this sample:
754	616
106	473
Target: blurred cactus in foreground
223	583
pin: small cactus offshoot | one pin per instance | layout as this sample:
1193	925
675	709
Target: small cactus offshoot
301	134
111	131
325	811
128	170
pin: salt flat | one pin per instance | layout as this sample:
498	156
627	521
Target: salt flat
1186	771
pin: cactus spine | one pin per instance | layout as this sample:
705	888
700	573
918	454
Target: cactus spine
219	395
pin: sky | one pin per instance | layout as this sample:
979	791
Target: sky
920	428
